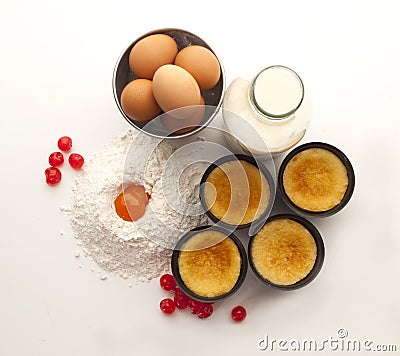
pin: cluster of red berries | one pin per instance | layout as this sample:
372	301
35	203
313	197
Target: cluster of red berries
56	159
182	301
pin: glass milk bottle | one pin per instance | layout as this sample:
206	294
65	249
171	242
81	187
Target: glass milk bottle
268	114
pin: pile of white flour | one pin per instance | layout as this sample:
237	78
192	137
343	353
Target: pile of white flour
140	249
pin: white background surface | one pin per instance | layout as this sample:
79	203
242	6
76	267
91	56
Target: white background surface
57	60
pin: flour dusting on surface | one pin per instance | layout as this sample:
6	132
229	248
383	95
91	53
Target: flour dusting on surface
139	250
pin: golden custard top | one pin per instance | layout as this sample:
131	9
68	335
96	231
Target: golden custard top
315	179
209	264
236	192
283	251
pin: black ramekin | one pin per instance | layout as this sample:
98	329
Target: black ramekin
318	261
350	175
175	263
264	171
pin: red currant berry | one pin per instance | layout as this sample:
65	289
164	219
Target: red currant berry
194	306
239	313
205	311
181	299
75	160
167	306
167	282
56	159
64	143
53	175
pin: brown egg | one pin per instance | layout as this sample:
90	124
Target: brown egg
150	53
192	119
174	87
138	102
201	63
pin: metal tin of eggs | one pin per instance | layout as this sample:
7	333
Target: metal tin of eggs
212	98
